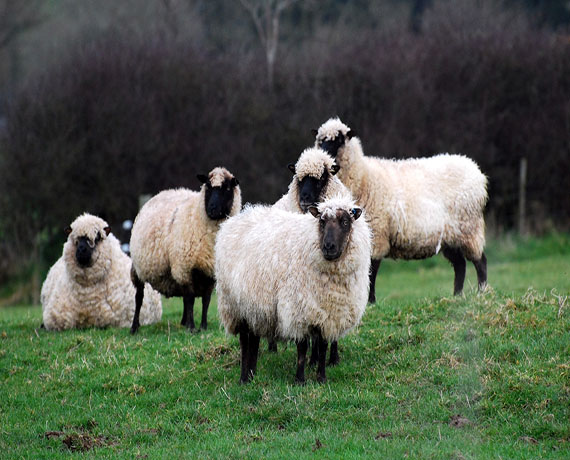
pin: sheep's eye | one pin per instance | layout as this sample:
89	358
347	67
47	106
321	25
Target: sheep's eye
97	238
322	222
345	223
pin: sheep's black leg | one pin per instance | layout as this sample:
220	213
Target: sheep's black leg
481	268
374	266
272	345
253	351
188	314
458	261
302	346
139	295
244	345
314	351
334	358
205	304
321	366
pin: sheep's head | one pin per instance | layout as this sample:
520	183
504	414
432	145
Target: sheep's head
85	235
332	136
335	226
220	187
313	170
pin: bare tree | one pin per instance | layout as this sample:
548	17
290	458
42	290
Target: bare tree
265	15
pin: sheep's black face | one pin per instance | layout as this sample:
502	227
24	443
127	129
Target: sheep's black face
334	231
331	146
220	199
311	190
84	250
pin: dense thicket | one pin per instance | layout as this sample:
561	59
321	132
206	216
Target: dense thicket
122	116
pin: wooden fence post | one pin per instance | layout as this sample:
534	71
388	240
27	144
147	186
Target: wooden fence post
522	196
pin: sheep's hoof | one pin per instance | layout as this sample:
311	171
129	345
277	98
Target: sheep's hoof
312	362
203	327
134	330
243	381
333	361
272	347
372	299
300	382
321	379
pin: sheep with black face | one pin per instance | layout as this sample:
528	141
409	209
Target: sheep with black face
172	242
90	284
416	207
290	276
314	180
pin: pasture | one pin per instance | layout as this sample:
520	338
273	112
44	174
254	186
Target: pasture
426	376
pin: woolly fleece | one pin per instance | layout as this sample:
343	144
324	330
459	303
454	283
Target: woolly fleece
312	162
172	235
414	206
100	295
271	272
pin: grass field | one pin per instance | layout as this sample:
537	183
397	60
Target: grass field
425	376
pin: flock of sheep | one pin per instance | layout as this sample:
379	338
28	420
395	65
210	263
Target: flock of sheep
300	270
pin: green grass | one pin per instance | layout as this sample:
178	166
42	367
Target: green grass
500	360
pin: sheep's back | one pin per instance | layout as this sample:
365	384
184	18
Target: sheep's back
151	229
424	202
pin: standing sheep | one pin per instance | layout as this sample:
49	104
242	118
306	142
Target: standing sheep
314	181
290	276
90	284
415	207
172	242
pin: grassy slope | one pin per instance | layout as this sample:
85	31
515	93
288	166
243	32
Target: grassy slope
500	360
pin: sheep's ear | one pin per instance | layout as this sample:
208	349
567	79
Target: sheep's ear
356	213
202	178
334	168
67	230
234	182
314	211
314	132
350	134
291	167
107	230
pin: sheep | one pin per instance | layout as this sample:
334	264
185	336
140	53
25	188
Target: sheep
90	284
416	207
289	276
314	180
172	242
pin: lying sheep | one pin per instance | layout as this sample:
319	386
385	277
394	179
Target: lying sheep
90	284
289	276
415	207
172	242
314	180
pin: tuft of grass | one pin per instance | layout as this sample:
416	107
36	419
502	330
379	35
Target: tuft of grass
426	375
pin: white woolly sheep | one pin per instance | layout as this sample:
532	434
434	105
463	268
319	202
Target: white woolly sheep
415	207
314	181
90	284
289	276
172	241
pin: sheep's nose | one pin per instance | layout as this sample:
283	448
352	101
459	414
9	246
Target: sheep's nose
330	246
